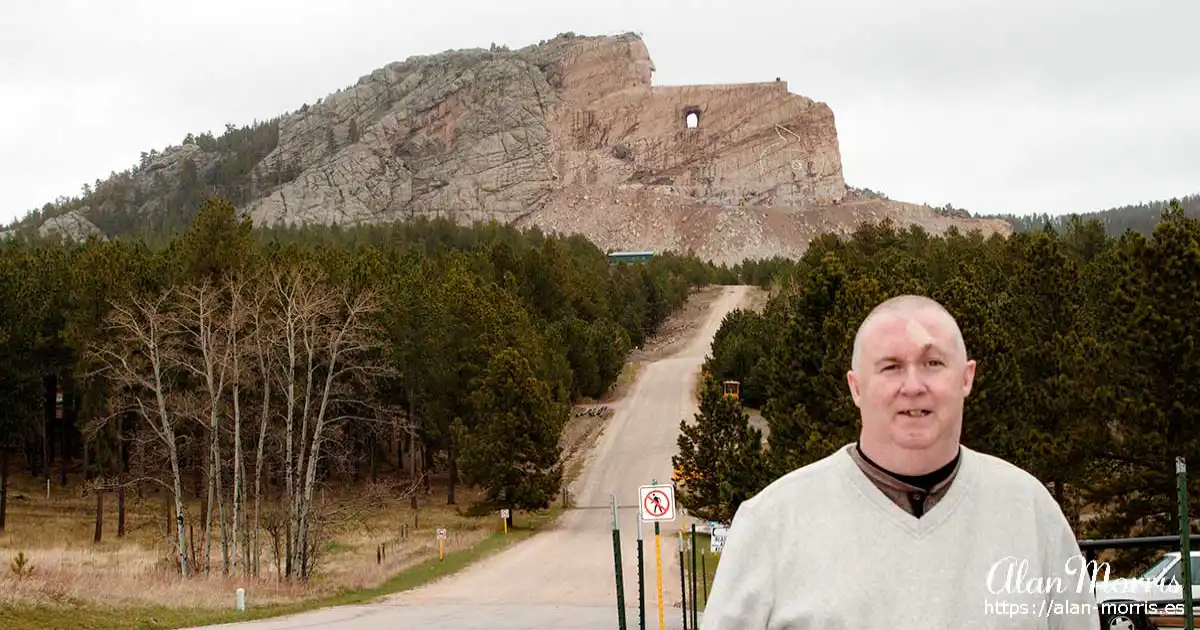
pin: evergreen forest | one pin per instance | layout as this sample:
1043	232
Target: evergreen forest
1088	372
248	367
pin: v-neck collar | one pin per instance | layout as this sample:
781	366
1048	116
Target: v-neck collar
921	527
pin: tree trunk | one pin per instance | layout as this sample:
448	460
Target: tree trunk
238	477
258	461
246	559
258	466
3	486
208	507
178	492
219	492
310	482
31	457
410	445
121	512
192	538
401	443
289	464
198	478
62	452
68	421
141	466
411	442
99	517
423	469
357	452
49	418
453	473
123	444
374	468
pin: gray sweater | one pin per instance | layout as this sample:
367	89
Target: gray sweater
822	548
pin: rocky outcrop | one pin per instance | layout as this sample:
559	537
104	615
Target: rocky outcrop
462	134
494	134
72	226
570	135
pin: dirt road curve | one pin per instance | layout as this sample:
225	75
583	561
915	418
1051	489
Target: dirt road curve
564	578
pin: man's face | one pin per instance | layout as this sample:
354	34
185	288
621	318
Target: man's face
911	381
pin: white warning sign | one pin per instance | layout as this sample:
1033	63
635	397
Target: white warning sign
657	503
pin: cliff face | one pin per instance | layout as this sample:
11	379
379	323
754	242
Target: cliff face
480	135
569	135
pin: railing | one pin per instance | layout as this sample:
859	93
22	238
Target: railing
1089	546
1181	542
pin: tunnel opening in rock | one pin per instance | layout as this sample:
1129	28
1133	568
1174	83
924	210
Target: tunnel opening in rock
691	118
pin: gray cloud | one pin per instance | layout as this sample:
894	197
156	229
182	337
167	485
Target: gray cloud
1019	106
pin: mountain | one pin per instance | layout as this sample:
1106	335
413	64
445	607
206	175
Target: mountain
568	135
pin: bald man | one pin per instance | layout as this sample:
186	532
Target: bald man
906	528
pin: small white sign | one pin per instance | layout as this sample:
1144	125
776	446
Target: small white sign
657	503
716	544
441	533
504	513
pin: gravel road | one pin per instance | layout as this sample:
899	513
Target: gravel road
564	578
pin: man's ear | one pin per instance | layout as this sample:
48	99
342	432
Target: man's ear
968	378
852	381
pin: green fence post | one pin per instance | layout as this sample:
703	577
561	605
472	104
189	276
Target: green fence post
695	604
617	563
641	578
1185	543
683	583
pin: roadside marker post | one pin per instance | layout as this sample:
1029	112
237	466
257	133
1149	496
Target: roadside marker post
657	503
504	517
616	532
1185	553
441	537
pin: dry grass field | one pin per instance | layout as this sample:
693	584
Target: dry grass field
376	544
373	543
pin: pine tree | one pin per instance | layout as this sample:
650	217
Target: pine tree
513	450
1154	412
720	462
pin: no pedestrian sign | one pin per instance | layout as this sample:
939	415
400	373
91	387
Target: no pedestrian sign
657	503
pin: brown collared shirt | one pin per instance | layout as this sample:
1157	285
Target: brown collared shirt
916	501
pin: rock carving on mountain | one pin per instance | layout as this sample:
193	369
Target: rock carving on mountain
570	135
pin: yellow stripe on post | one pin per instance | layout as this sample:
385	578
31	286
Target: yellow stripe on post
658	570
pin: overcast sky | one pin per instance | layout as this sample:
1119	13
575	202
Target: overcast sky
1014	106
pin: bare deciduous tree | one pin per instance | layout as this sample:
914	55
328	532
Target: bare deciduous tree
262	331
292	349
206	319
136	358
327	364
